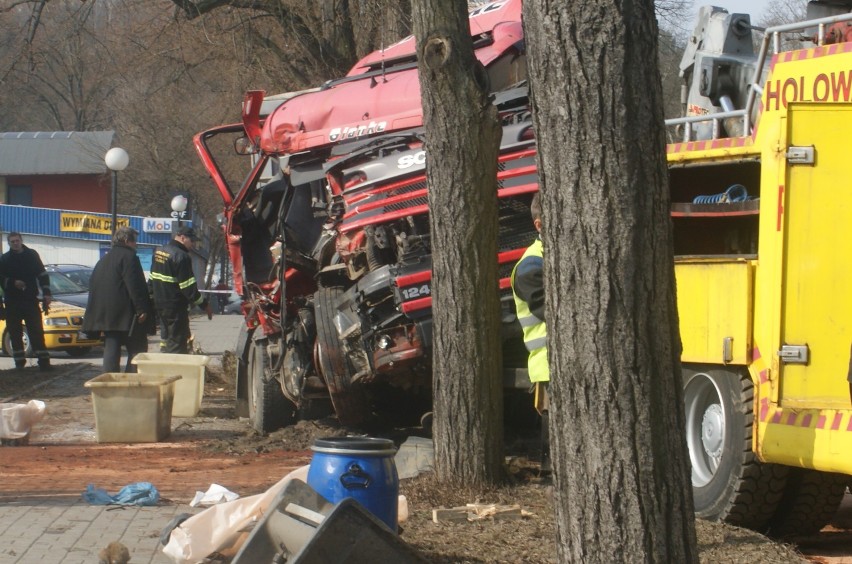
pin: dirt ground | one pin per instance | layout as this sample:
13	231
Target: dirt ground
63	456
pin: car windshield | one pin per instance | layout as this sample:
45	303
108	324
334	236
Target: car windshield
80	276
61	284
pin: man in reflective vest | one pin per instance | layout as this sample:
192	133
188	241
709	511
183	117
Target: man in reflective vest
528	291
175	290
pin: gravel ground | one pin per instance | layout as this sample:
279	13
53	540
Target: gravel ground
245	461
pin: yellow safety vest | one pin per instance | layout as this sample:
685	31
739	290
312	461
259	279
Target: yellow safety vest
535	330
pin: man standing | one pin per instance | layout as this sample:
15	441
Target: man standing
21	275
175	290
118	302
528	291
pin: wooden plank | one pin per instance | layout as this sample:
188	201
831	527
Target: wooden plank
478	512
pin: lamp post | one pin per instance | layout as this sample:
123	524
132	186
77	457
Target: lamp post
178	207
116	159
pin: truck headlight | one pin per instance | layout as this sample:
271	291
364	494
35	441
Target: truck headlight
57	322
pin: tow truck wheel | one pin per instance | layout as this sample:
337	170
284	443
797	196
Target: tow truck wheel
350	403
729	483
810	501
268	408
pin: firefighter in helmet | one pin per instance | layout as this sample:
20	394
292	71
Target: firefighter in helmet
175	290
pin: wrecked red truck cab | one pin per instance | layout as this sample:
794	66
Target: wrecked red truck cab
328	234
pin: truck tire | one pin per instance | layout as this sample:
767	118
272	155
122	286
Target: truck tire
349	400
242	349
810	501
268	408
729	483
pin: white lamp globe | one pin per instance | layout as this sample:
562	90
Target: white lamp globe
179	203
117	159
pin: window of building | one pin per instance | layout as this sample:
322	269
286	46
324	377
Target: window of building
20	195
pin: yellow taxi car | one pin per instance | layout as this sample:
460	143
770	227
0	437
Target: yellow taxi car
62	332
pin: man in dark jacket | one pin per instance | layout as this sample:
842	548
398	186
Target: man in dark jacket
119	306
21	275
175	290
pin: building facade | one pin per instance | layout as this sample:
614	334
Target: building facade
55	189
60	169
75	237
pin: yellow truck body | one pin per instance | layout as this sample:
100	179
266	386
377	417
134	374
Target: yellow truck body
767	285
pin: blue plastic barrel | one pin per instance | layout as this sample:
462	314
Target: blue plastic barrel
358	467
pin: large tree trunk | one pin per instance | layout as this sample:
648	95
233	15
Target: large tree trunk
622	476
462	136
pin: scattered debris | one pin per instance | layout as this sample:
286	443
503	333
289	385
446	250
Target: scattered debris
140	493
415	456
303	526
221	529
478	512
16	420
214	494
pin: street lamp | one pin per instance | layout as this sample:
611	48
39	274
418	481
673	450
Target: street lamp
179	206
116	159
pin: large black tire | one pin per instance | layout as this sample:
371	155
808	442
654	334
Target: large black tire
810	501
729	483
268	408
240	372
349	400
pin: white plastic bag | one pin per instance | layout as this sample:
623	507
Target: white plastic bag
224	527
17	419
214	494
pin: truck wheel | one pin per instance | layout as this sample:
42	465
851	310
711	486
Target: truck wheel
268	408
729	483
242	349
810	501
349	401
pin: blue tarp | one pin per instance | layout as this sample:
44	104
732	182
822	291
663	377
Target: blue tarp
140	493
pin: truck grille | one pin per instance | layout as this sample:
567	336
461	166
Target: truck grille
516	230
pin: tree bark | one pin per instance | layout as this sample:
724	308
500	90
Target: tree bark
622	473
462	137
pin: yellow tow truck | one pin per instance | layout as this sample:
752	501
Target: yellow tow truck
762	217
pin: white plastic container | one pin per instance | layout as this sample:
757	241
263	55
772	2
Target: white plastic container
132	408
190	367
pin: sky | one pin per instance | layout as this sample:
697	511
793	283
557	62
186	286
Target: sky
753	7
